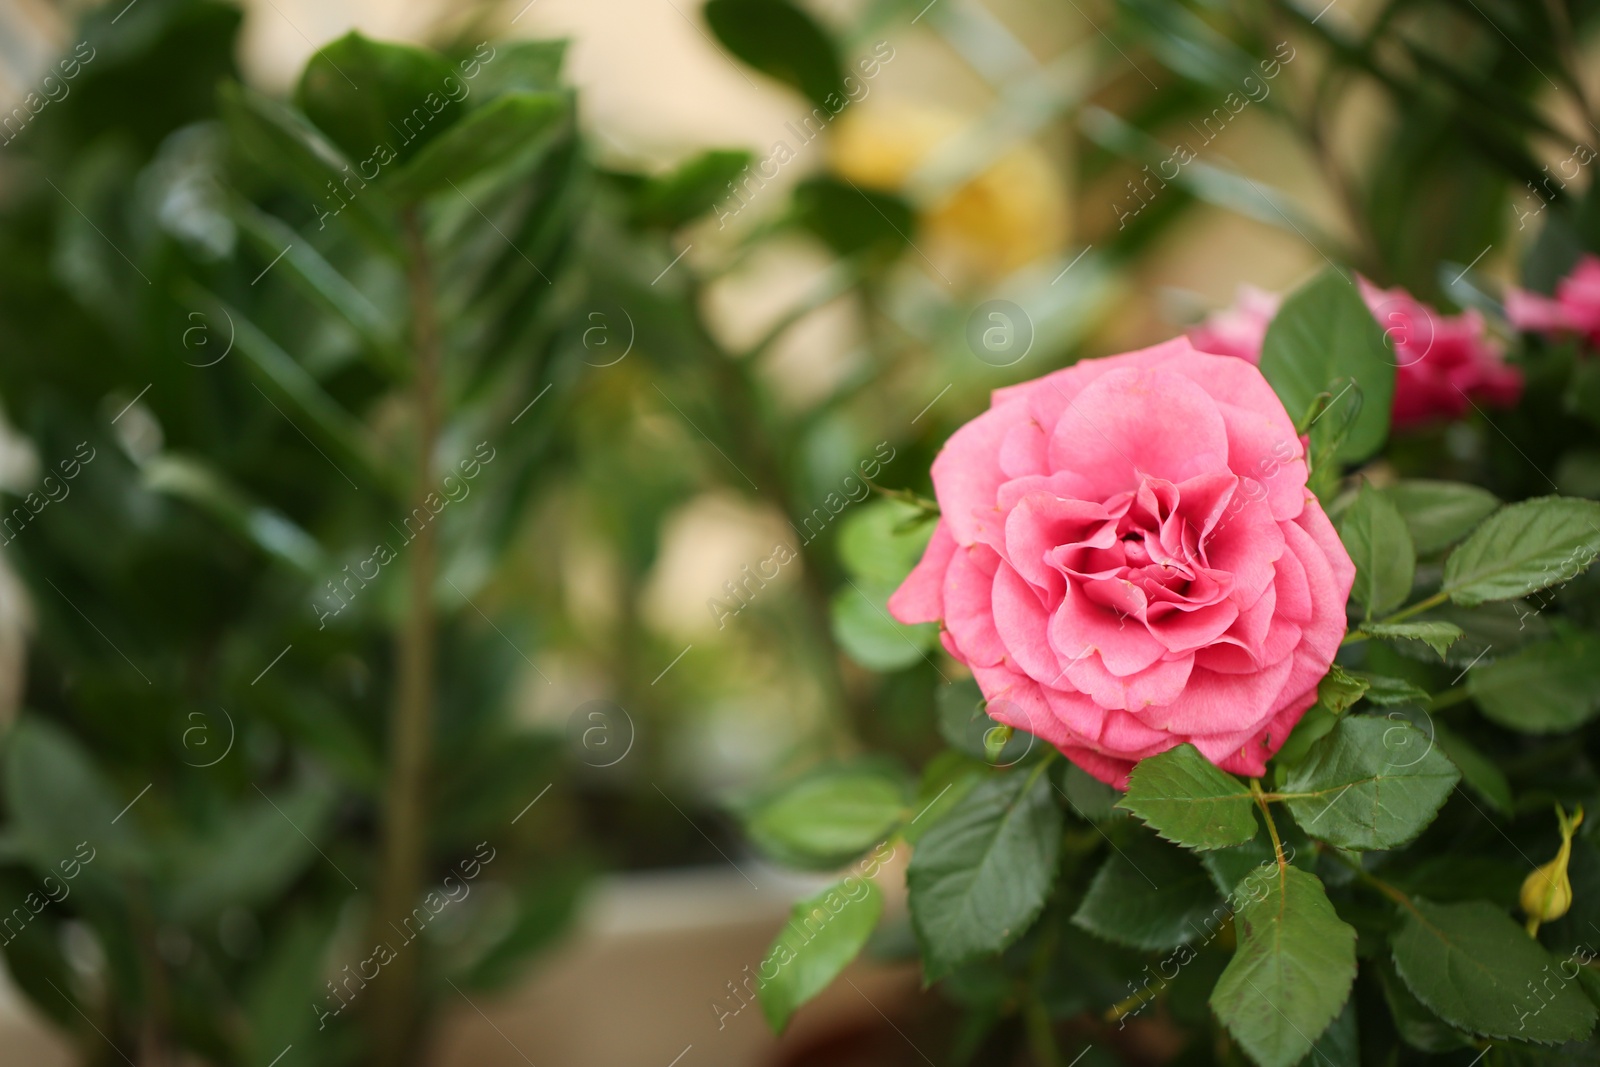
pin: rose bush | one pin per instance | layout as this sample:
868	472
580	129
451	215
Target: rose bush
1443	363
1129	559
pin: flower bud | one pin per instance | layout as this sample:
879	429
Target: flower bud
1547	892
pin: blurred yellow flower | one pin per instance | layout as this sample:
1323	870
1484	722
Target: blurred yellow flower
1007	216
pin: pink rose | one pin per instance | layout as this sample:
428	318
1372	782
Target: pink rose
1575	309
1240	329
1129	559
1446	363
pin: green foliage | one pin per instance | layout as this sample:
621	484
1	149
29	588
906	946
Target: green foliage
1324	343
830	816
1371	783
1148	894
1380	545
1291	973
364	94
1524	547
1438	514
981	875
1549	687
1480	973
781	40
1183	797
824	933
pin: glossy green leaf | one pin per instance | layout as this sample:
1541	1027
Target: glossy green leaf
830	816
1439	514
824	933
781	40
979	878
1478	970
1186	799
697	186
1380	545
512	67
1550	687
509	127
1323	340
1148	894
1523	547
367	95
852	220
1291	973
1372	783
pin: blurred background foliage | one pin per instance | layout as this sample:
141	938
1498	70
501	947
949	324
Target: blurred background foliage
681	364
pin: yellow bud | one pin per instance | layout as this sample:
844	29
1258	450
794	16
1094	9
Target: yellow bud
1547	892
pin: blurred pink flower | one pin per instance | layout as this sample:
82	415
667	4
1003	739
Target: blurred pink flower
1445	363
1240	329
1575	309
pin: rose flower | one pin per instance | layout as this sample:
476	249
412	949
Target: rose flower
1129	559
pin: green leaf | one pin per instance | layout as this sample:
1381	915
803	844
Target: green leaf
272	532
1339	689
255	852
863	626
283	144
1323	339
944	784
494	134
690	191
1340	1043
851	220
1550	687
1477	769
780	40
1524	547
978	879
365	94
824	933
1313	726
1418	1027
1439	514
1089	798
1291	973
58	799
318	279
1438	636
1391	692
1370	784
1186	799
1148	894
883	541
829	816
1476	969
1380	545
514	67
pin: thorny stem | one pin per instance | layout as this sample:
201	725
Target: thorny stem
411	724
